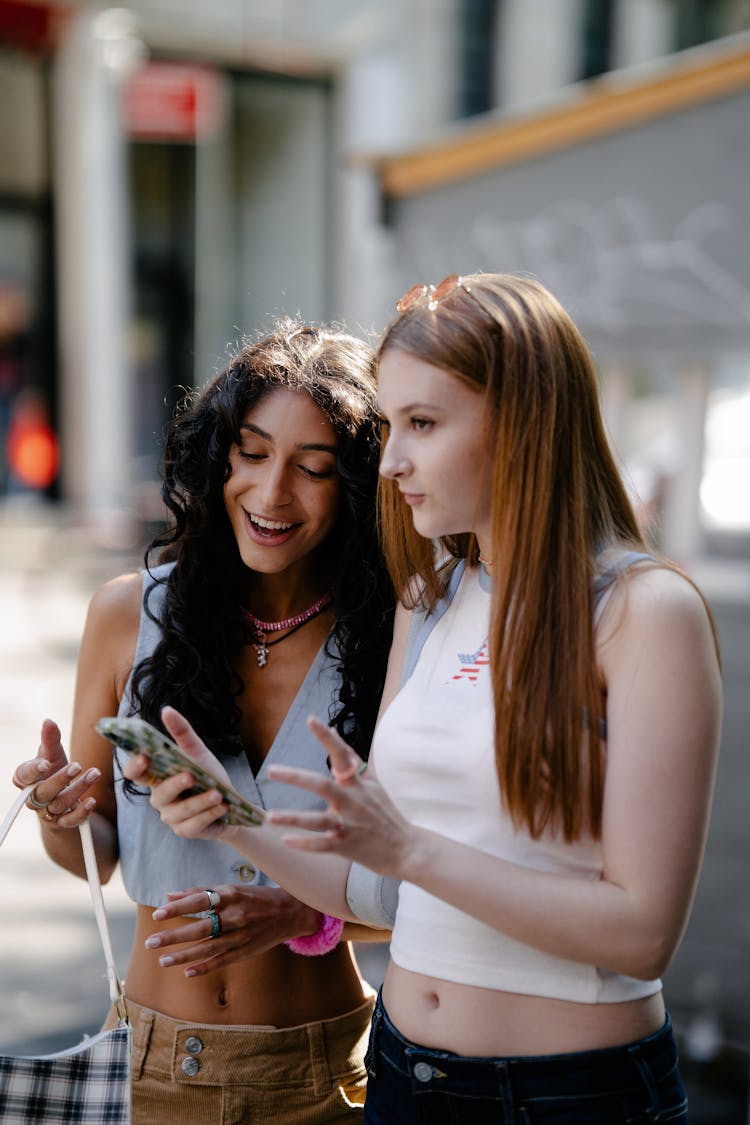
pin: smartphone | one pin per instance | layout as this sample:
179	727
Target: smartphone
136	736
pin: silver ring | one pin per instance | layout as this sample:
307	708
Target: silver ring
33	803
51	817
214	899
215	923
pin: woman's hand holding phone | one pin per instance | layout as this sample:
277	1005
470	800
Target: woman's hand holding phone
157	761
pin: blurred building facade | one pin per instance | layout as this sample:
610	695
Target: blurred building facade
173	174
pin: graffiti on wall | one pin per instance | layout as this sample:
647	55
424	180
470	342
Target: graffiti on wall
611	264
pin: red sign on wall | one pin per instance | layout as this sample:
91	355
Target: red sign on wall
173	102
30	26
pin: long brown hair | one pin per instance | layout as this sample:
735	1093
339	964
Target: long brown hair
557	503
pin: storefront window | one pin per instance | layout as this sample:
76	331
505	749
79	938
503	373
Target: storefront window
597	38
28	443
477	38
162	178
697	21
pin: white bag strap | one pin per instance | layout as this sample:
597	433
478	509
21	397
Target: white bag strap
95	887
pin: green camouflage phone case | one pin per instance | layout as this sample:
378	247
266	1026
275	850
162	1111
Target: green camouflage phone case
136	736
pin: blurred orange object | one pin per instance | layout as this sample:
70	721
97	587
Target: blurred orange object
32	449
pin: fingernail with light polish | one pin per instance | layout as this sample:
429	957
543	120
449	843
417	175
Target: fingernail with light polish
166	961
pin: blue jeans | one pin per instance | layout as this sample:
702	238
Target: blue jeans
412	1085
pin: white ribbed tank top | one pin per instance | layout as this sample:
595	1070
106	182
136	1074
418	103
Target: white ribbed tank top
434	754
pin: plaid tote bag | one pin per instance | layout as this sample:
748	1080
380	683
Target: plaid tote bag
88	1083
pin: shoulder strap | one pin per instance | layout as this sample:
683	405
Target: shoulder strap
604	581
424	621
95	887
149	631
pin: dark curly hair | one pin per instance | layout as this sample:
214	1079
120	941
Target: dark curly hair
203	626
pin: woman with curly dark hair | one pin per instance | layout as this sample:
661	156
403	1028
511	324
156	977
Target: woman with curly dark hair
269	599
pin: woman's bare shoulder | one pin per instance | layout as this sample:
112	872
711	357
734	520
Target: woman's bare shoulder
661	589
656	605
108	643
117	603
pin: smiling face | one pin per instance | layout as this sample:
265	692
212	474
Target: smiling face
283	493
436	446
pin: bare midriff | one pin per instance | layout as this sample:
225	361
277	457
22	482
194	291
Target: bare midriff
274	989
484	1022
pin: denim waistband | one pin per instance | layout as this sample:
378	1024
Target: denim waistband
602	1070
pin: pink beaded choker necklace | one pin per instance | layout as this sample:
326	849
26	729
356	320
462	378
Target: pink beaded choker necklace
262	628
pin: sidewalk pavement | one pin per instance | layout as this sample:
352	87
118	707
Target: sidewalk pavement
52	979
52	974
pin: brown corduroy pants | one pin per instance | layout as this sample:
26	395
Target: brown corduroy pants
217	1074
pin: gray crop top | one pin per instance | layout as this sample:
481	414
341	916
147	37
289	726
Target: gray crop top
153	860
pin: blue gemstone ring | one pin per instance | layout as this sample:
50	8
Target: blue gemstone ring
215	923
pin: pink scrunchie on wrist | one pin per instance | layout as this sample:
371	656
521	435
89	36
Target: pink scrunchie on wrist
325	938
